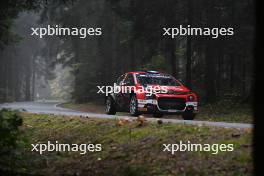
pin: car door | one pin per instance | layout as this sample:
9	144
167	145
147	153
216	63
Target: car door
129	86
118	94
123	97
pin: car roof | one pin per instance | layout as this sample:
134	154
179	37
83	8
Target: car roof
148	72
133	72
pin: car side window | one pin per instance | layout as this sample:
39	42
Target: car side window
129	80
120	79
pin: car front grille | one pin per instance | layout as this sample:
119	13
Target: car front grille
171	103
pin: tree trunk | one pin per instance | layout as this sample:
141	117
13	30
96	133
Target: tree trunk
28	86
132	55
232	70
219	69
171	56
210	66
33	79
189	48
210	82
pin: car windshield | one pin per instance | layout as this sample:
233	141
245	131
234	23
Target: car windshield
162	80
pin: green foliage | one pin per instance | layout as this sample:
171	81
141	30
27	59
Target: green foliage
157	62
9	123
180	52
135	171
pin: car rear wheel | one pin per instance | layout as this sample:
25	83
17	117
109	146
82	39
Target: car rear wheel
110	108
133	106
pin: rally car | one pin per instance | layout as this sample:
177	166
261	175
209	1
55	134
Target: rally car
142	92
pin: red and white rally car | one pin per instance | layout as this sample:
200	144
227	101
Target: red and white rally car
142	92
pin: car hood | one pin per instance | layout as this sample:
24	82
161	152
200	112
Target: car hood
176	89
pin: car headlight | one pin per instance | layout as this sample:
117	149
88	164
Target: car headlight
190	98
150	96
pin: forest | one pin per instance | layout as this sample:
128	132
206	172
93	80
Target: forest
49	85
132	39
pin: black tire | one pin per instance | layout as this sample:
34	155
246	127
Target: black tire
188	116
157	115
110	108
133	105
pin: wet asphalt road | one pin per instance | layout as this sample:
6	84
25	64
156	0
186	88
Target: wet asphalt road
50	107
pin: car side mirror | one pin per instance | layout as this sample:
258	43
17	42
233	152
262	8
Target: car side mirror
123	83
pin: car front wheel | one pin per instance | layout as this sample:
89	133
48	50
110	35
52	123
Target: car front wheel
110	106
133	106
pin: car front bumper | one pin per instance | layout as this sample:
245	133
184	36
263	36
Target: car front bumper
152	106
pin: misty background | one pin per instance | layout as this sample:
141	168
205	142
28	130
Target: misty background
70	68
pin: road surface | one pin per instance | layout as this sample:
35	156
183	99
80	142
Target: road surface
50	107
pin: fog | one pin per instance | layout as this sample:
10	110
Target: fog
93	42
34	73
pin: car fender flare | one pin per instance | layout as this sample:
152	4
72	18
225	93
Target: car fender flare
111	96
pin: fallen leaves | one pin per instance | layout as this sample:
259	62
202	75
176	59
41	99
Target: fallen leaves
236	135
122	122
141	120
159	122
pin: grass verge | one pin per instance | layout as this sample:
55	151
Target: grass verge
129	149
